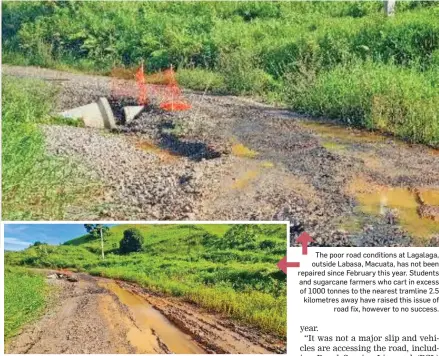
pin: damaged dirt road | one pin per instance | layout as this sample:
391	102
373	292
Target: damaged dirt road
98	315
231	158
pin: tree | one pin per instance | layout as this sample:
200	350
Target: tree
97	230
39	243
131	242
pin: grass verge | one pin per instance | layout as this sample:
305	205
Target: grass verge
25	298
35	186
387	98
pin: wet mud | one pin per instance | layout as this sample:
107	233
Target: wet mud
104	316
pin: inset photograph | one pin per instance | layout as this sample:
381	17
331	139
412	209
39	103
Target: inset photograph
145	288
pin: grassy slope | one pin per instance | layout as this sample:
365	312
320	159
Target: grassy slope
308	55
197	263
34	185
25	298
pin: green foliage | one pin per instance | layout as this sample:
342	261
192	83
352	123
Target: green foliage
34	185
25	298
47	256
202	80
94	230
380	97
190	261
131	242
269	49
241	236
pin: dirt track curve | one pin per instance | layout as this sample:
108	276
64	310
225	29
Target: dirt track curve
231	158
102	316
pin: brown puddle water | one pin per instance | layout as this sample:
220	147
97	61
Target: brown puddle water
347	135
373	198
343	133
431	197
164	155
151	324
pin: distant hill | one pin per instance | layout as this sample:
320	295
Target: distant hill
151	231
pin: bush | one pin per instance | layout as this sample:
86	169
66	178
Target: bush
240	235
132	241
242	76
267	244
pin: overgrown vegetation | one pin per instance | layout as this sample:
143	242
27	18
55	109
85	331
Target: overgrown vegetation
25	298
34	185
229	269
308	55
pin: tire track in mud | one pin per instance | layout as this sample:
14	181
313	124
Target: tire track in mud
99	315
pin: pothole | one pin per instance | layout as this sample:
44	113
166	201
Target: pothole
117	104
194	150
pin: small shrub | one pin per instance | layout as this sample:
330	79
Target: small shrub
267	244
132	241
240	235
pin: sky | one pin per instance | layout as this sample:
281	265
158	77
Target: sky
20	236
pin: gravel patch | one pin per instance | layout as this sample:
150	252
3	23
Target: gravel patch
138	185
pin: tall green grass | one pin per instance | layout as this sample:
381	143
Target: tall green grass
234	274
250	48
34	185
25	298
388	98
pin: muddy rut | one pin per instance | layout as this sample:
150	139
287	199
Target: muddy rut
103	316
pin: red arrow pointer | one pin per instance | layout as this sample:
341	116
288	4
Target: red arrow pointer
304	239
283	264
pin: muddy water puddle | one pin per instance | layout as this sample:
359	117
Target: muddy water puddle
377	200
151	326
342	133
165	156
348	135
430	197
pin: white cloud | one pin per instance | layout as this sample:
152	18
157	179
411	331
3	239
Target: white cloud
12	243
